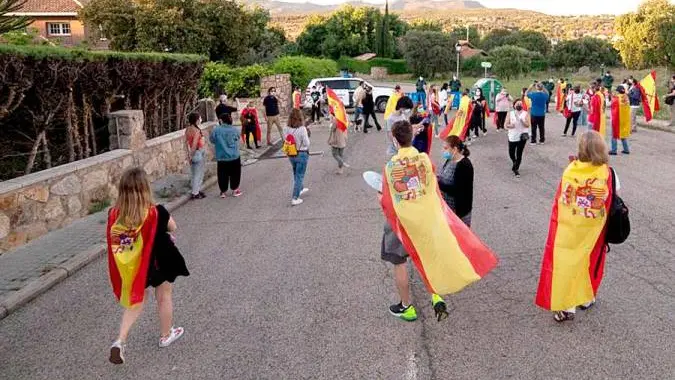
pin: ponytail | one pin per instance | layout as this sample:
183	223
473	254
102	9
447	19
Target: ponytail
463	149
456	142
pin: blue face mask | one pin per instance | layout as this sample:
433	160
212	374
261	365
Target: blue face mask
447	155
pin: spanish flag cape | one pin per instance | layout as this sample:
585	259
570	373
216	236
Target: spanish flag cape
444	250
459	125
527	103
297	100
560	97
650	100
391	104
620	116
129	254
337	109
574	255
258	132
597	114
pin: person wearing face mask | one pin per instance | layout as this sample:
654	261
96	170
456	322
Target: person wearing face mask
478	114
518	127
502	106
250	126
369	110
403	112
574	104
271	104
455	178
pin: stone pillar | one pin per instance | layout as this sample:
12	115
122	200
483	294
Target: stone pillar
207	110
378	73
126	130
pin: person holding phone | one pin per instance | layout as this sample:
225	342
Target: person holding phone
518	127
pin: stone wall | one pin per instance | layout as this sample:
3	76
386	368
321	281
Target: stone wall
282	82
32	205
378	73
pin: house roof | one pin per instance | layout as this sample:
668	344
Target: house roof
468	52
46	7
365	57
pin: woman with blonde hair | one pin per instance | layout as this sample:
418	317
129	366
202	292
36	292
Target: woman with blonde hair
574	255
141	253
297	134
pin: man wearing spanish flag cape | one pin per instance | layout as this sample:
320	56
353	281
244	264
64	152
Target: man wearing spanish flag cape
597	115
459	124
419	224
574	255
621	127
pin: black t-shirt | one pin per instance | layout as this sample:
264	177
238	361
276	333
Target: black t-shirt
316	96
222	109
166	262
271	104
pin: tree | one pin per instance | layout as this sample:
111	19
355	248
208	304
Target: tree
384	43
587	51
426	25
529	40
510	61
459	33
495	38
429	53
7	23
646	36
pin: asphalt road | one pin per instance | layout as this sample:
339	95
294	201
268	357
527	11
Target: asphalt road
289	293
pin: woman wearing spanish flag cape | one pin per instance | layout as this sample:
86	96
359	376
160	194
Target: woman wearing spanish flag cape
419	224
141	253
459	124
574	255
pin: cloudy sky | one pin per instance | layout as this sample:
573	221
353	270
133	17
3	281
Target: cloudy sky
557	7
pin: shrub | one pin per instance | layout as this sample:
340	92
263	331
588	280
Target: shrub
426	53
304	69
471	67
511	61
394	66
242	82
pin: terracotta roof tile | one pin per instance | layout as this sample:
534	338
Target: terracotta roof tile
52	6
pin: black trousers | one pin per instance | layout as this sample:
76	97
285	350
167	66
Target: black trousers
501	119
316	112
368	115
538	125
516	153
575	120
229	174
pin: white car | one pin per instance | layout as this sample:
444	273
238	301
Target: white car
345	87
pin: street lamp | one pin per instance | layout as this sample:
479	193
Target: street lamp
458	48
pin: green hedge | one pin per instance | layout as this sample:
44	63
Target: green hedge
394	66
304	69
54	52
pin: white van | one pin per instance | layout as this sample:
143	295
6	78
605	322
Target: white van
345	87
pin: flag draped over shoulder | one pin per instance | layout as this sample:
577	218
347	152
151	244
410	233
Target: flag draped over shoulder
650	100
560	97
597	116
444	250
129	254
620	116
527	103
574	254
337	109
391	104
459	125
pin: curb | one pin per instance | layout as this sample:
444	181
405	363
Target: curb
56	274
656	127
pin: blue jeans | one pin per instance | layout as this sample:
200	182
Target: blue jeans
299	164
197	168
358	111
624	142
422	97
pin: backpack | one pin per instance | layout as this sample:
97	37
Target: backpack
289	146
618	223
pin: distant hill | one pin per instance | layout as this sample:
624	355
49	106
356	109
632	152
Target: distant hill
281	7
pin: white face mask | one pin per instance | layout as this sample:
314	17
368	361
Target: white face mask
407	113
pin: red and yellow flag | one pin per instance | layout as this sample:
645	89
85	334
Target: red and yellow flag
444	250
391	104
620	116
459	125
527	103
337	109
574	255
597	115
560	97
650	100
129	254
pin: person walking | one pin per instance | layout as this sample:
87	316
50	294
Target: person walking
141	254
225	139
358	96
620	111
574	255
574	104
539	98
315	97
443	97
455	178
369	111
337	140
635	99
299	134
271	104
478	115
434	108
518	127
196	149
503	103
250	126
421	88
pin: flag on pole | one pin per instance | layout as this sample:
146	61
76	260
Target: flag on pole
574	255
620	116
446	253
650	100
337	109
459	125
391	105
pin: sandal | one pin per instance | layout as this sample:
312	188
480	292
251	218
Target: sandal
586	306
562	316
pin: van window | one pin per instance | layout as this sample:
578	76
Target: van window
354	84
337	84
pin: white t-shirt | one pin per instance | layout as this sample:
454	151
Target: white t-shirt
572	100
443	95
393	118
520	124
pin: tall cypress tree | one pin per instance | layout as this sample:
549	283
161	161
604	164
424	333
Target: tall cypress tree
383	42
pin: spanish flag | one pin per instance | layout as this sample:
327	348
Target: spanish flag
650	100
560	97
527	103
459	125
597	114
444	250
391	104
620	116
129	254
337	109
574	254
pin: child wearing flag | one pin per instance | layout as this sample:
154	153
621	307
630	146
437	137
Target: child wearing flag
337	139
141	253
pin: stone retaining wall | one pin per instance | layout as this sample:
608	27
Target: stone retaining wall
32	205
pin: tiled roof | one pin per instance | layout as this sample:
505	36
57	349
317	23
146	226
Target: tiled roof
52	6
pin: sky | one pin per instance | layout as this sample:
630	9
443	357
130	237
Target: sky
553	7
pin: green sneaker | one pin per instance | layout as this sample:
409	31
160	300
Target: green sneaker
440	308
405	313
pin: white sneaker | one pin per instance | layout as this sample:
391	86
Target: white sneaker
346	165
304	191
296	202
174	334
117	353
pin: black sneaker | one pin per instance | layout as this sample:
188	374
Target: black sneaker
408	313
